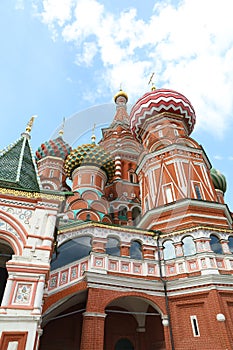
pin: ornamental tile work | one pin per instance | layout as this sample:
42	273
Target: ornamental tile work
23	215
4	226
23	294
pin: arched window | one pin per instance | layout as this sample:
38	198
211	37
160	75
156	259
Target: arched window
113	247
215	244
168	250
111	212
6	253
136	250
122	213
189	247
73	250
124	344
230	243
136	215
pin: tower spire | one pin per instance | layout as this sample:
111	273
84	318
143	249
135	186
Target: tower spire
151	82
61	131
30	124
93	137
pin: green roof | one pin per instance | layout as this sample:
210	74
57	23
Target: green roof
17	166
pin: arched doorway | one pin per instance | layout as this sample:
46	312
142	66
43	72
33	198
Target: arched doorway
124	344
62	325
6	253
133	323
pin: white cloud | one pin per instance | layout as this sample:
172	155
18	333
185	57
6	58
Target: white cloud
218	157
19	5
89	52
188	44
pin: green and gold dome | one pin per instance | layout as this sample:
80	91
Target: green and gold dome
89	154
219	180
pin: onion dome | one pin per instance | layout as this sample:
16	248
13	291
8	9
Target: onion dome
219	180
54	148
90	154
158	101
119	95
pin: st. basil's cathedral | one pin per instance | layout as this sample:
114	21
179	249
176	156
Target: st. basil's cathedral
125	244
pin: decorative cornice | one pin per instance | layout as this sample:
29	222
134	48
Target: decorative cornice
75	226
31	195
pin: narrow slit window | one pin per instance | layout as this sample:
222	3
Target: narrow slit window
198	191
196	332
147	204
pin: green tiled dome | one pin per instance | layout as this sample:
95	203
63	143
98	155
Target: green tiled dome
89	154
219	180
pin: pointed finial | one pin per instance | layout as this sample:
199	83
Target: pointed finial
61	131
93	137
30	124
151	82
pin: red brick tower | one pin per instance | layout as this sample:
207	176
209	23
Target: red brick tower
123	192
174	172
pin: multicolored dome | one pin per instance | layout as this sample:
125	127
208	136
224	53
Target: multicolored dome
55	148
219	180
159	101
90	154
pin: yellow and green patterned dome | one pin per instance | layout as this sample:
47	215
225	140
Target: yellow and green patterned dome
219	180
90	154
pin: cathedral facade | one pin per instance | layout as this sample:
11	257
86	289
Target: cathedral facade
134	252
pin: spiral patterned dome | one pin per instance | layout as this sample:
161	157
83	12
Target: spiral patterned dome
219	180
90	154
158	101
55	148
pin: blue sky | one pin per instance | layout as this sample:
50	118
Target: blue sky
61	57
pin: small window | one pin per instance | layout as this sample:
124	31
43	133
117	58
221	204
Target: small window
195	328
136	250
122	213
198	191
176	133
160	133
51	173
70	251
136	215
92	180
168	250
131	178
168	194
113	247
215	244
189	247
147	204
230	244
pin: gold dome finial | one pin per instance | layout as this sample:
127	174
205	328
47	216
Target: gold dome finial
30	124
61	131
93	137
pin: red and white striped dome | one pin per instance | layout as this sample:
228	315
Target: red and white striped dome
159	101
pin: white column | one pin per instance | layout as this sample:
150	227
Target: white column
39	295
